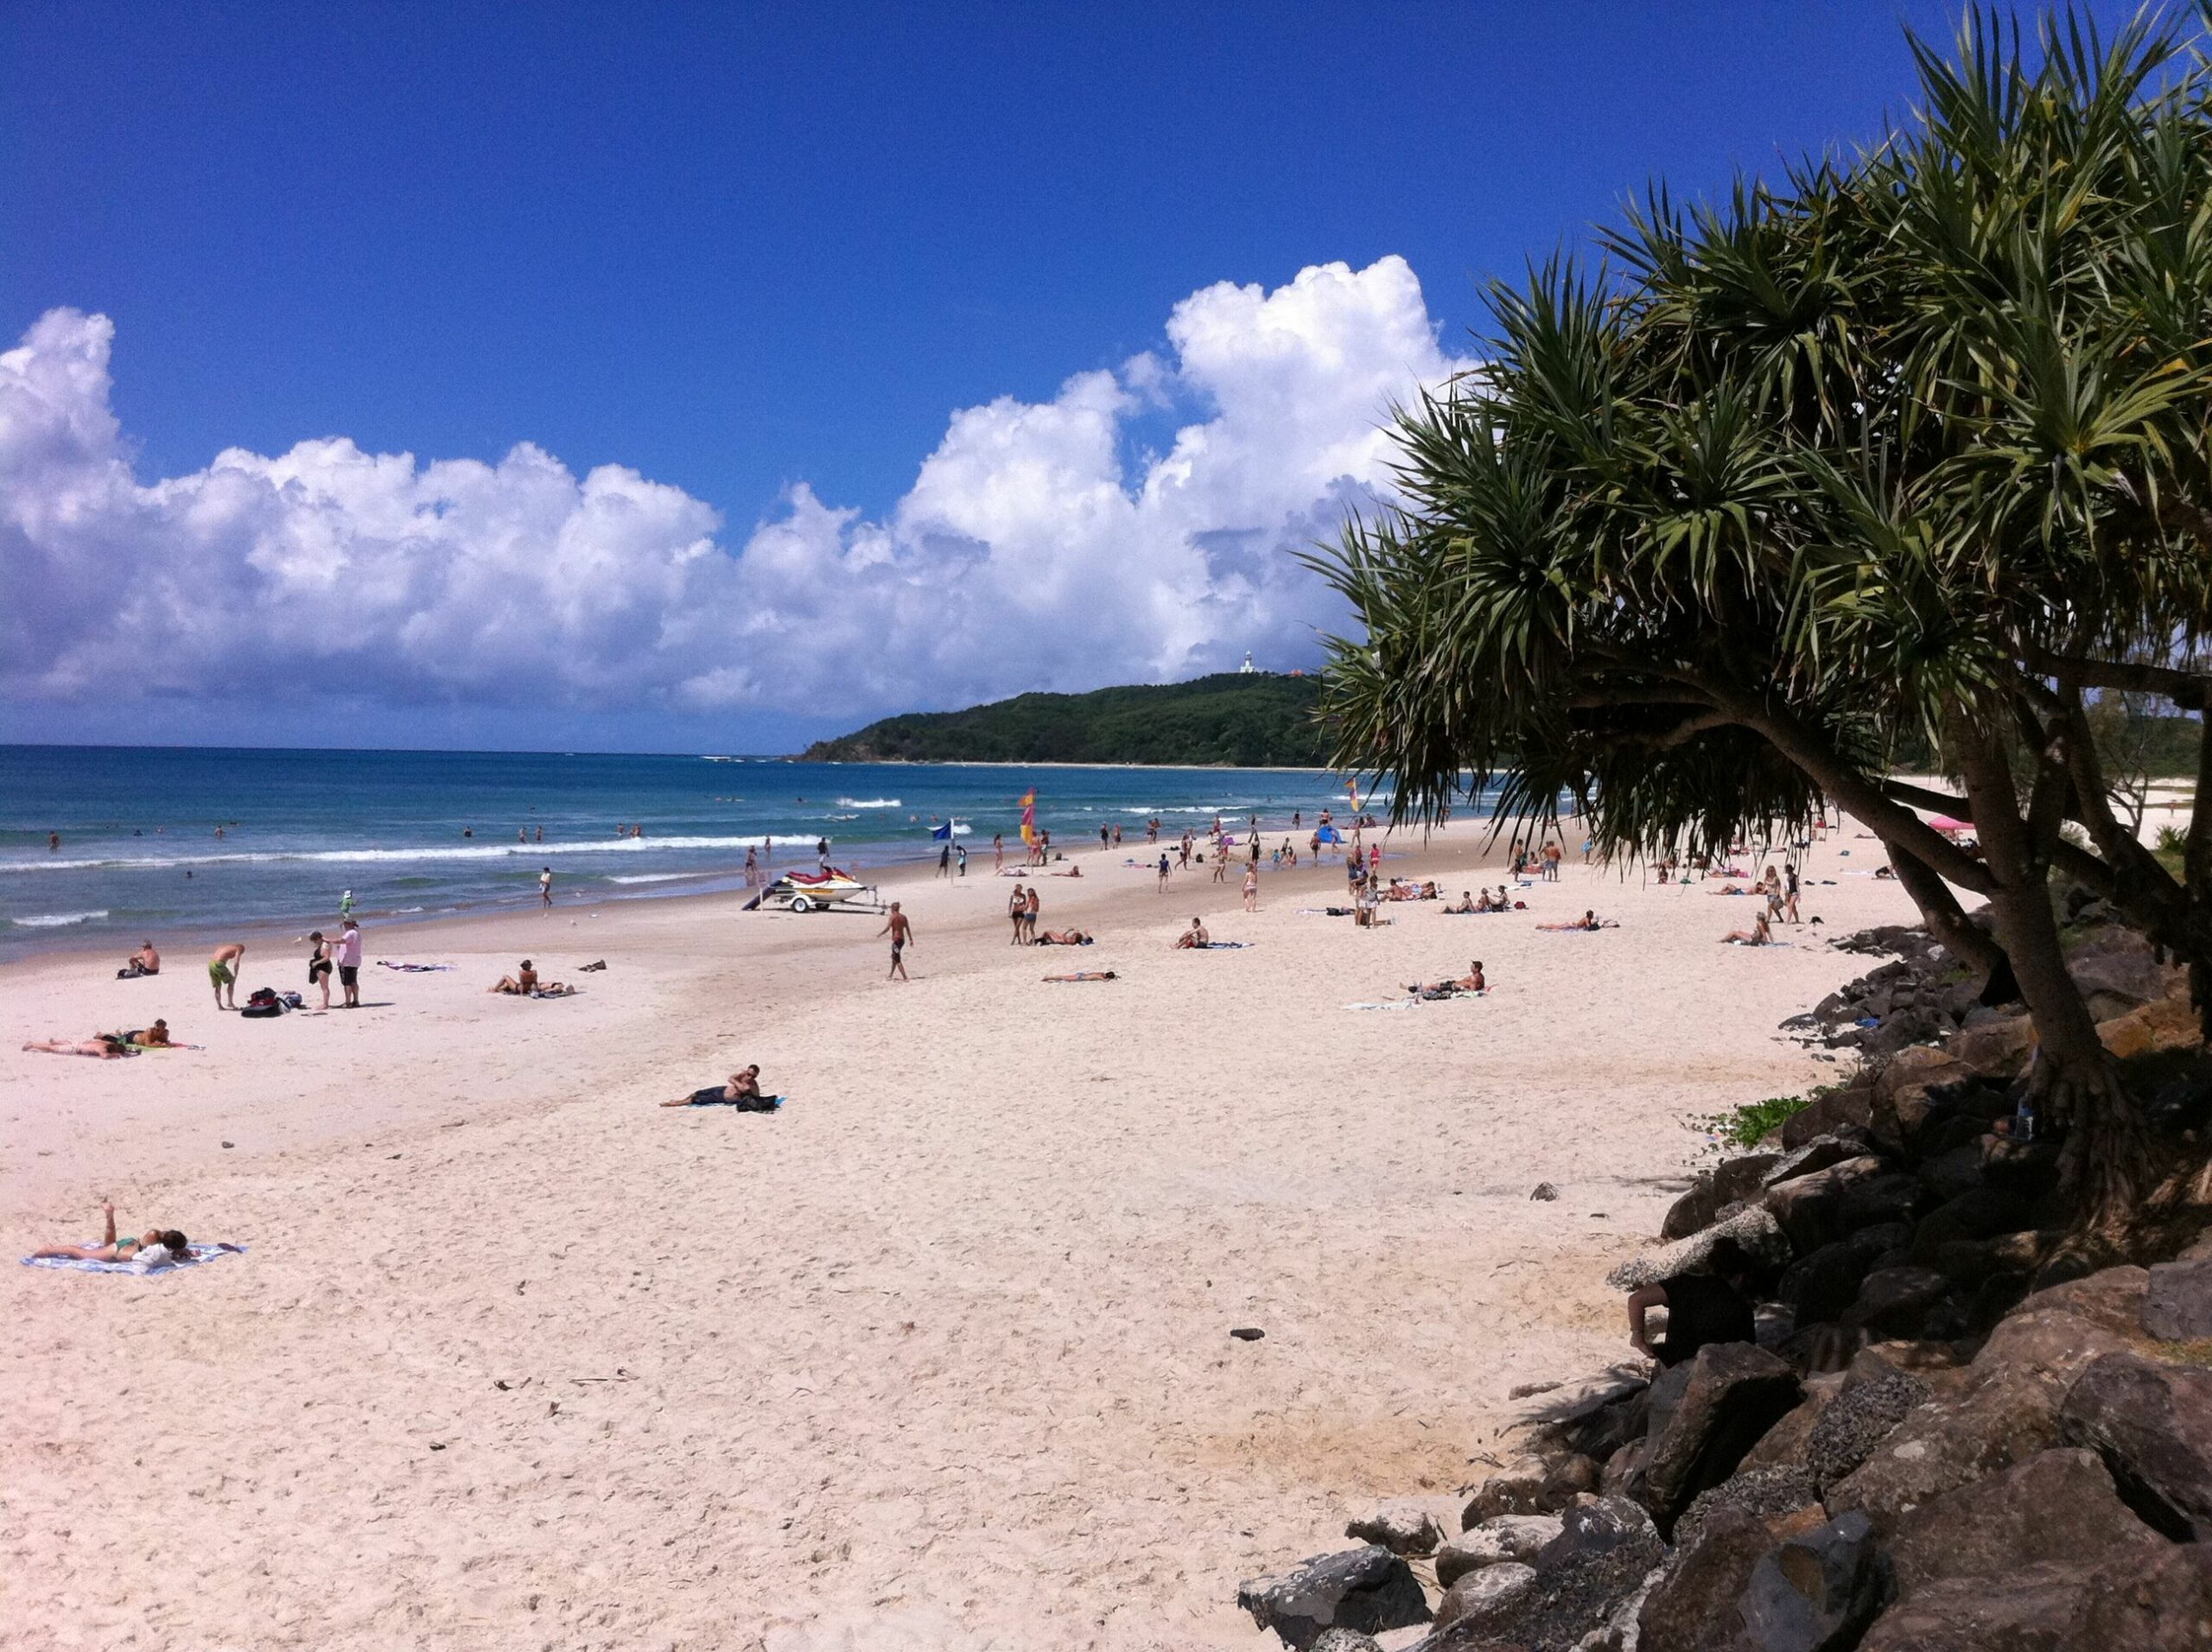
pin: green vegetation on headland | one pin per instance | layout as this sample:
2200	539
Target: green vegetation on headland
1243	720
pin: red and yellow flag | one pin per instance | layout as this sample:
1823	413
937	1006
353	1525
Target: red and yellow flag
1029	815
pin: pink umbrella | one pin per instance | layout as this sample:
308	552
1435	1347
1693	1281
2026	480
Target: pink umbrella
1945	824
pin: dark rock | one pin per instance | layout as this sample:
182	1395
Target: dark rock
1784	1444
1763	1494
1624	1474
1995	1048
1401	1527
1822	1347
1862	1417
1950	1175
1817	1154
1519	1492
1753	1227
2028	1168
2178	1301
2111	1299
1980	1213
1895	1301
1692	1607
2161	1605
1568	1478
1508	1537
1809	1209
2115	982
1848	1109
1969	1262
1904	1095
2027	1611
1594	1526
1364	1589
2152	1424
1821	1285
1725	1183
1544	1193
1815	1590
1734	1393
1345	1640
1484	1593
2059	1507
1562	1610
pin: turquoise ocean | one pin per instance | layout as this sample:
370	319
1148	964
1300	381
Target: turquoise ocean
424	834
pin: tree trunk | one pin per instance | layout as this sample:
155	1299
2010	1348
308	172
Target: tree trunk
2196	878
1947	922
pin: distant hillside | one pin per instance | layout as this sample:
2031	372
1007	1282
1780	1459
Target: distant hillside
1231	718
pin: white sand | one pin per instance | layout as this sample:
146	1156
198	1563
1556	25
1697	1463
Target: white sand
937	1357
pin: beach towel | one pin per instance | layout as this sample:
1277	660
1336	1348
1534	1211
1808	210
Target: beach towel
713	1097
194	1255
541	992
1221	946
412	969
1395	1003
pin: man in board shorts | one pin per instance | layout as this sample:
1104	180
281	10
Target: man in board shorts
223	971
901	930
349	963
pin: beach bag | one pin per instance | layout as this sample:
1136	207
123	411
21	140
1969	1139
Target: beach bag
263	1003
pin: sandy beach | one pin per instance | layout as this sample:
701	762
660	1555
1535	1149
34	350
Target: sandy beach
937	1356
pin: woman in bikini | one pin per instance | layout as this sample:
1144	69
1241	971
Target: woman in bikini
156	1245
104	1046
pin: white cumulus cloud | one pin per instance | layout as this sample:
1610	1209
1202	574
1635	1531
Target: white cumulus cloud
1039	546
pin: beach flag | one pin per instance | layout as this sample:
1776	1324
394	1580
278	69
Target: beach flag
1029	815
942	834
1351	790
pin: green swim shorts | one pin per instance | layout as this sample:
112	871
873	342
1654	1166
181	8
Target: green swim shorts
218	972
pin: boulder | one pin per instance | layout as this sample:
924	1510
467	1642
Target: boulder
1594	1526
1950	1173
1344	1640
1624	1474
1831	1205
1495	1543
1969	1262
2168	1024
1821	1285
1733	1393
1896	1301
1569	1477
2116	981
1753	1227
2027	1611
1784	1444
1816	1590
1979	1213
1364	1589
2029	1168
1903	1096
2152	1424
2058	1507
1849	1109
1862	1417
2010	1415
2178	1301
1725	1183
1816	1154
1692	1607
1483	1593
1519	1491
2111	1301
1401	1527
1997	1048
2163	1604
1764	1494
1594	1596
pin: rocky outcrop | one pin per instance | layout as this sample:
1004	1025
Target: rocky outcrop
1733	1392
1401	1527
1365	1589
1816	1590
1497	1541
2152	1423
2058	1507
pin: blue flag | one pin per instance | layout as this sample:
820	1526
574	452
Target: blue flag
942	834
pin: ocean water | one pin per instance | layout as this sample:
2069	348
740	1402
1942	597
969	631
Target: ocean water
140	854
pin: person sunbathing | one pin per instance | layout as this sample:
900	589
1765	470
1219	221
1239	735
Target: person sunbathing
1062	937
522	983
1466	906
155	1036
1194	936
103	1047
1588	921
1758	935
154	1247
742	1090
1472	981
144	962
1087	975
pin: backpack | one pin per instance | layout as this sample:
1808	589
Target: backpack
262	1002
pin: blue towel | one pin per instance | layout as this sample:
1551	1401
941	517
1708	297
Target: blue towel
194	1255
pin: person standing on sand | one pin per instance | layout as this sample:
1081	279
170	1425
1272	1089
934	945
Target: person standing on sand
1163	871
1220	862
998	853
349	963
319	965
901	931
1018	910
223	970
345	904
960	858
1030	910
945	861
752	869
545	888
1252	887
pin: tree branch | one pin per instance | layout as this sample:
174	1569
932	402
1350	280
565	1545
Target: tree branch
2188	689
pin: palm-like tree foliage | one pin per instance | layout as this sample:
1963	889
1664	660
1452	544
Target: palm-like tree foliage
1918	443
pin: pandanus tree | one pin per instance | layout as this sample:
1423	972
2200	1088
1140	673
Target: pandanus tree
1913	447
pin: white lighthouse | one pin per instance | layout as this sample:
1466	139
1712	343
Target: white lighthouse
1248	669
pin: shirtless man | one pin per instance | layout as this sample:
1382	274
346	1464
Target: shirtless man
901	930
1194	936
521	984
144	962
1472	981
223	971
743	1086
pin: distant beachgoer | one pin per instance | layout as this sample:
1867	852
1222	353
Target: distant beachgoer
1017	908
1063	937
821	855
1031	908
1194	936
320	964
945	861
545	888
1164	870
1252	888
469	831
1588	921
154	1247
752	869
541	833
1472	981
54	840
998	852
144	962
349	963
223	971
155	1036
345	904
521	834
522	983
960	859
743	1086
1759	935
1105	837
105	1046
1701	1308
901	931
1117	834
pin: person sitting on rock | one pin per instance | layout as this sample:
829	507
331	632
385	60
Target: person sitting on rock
1701	1308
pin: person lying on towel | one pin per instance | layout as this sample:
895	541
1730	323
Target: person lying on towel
741	1092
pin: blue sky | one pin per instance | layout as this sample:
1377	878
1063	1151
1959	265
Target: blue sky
762	259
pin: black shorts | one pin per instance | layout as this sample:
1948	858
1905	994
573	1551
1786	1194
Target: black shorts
349	973
320	968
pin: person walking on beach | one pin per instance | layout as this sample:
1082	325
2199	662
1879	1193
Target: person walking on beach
545	888
349	963
901	931
1018	910
998	853
1220	862
1030	910
1252	887
223	970
1163	871
752	869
